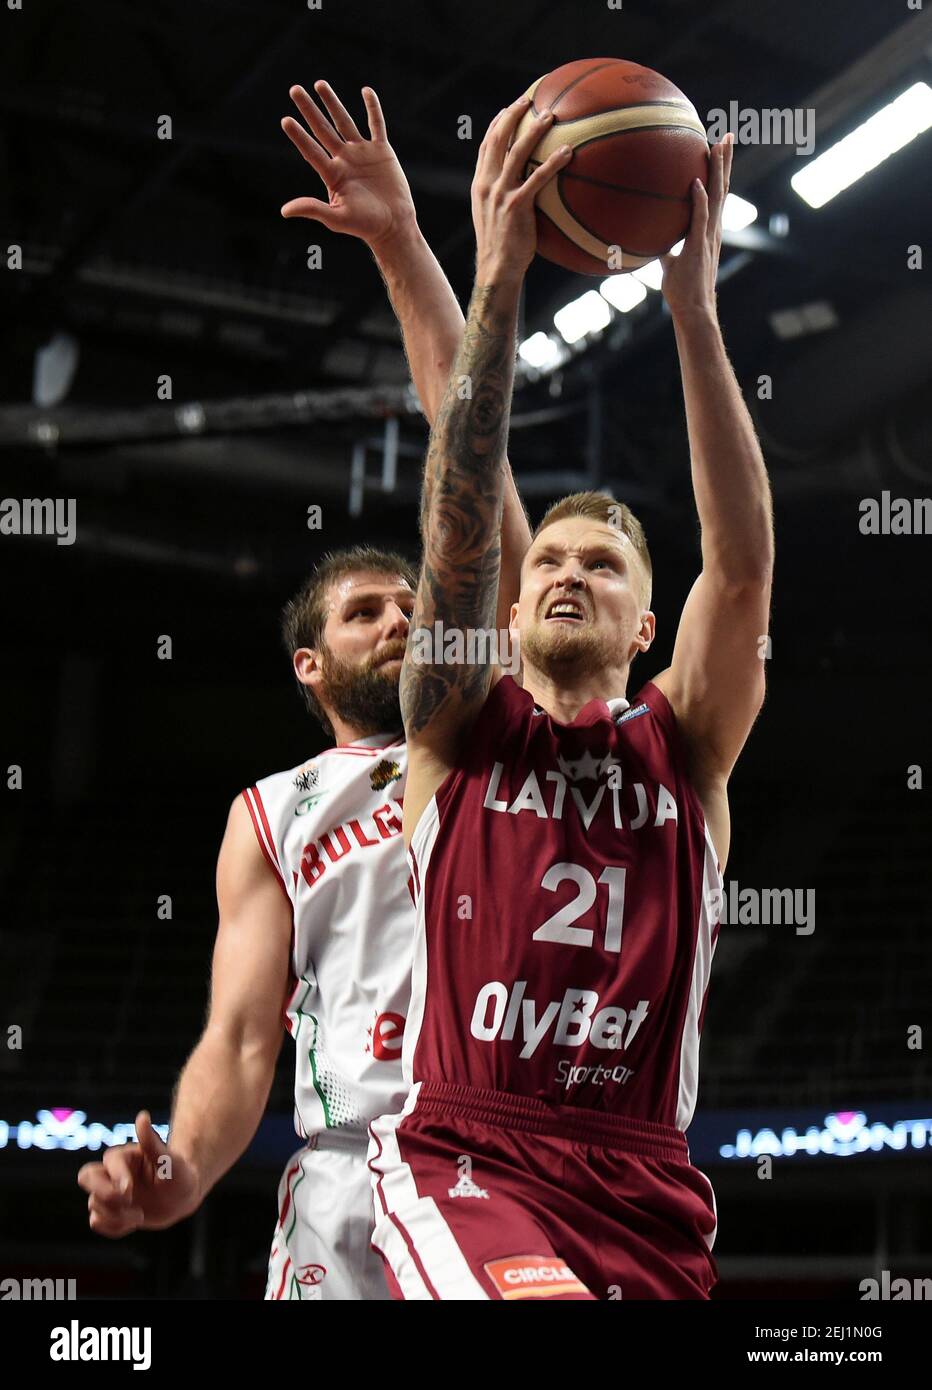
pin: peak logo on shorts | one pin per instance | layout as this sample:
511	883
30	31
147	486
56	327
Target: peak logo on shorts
533	1276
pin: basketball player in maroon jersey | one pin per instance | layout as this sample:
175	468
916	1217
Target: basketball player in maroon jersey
565	843
347	628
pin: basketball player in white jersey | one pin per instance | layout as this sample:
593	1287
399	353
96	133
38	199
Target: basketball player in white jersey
315	911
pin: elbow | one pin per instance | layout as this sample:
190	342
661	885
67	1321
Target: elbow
743	573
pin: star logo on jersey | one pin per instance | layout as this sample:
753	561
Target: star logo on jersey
306	779
383	775
586	768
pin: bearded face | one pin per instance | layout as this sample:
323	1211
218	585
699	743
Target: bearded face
559	650
582	609
364	694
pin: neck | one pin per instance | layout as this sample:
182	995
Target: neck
564	696
352	733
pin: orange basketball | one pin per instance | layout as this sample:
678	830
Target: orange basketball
637	144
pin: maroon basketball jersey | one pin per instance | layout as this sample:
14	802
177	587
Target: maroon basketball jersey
564	880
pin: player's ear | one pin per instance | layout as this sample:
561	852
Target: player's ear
646	632
306	663
513	617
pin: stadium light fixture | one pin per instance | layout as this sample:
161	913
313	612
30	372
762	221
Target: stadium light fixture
892	127
541	350
650	275
587	314
623	292
737	213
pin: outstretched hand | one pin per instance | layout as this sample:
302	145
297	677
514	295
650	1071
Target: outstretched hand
689	278
368	194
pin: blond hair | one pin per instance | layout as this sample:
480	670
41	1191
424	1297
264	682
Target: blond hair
599	507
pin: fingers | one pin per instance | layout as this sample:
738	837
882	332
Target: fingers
110	1212
123	1166
319	125
699	221
520	152
374	112
337	111
107	1221
720	158
315	211
97	1182
499	134
545	172
150	1142
309	149
714	185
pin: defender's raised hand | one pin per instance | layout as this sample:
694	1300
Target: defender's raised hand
368	193
689	278
503	205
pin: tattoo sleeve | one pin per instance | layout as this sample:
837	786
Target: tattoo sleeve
461	512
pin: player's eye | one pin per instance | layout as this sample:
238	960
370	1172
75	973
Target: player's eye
363	613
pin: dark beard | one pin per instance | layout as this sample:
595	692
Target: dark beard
366	696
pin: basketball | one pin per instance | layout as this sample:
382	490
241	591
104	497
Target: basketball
637	144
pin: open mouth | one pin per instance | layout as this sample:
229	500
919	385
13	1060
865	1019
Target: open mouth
565	610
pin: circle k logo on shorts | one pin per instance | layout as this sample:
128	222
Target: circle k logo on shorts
309	1275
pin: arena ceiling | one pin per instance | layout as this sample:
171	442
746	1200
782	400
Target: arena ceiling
157	256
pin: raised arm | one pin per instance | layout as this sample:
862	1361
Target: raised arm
715	682
464	481
369	197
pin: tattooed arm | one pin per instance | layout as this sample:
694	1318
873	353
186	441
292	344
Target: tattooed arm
464	481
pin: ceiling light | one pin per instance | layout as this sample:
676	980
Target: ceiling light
882	135
587	314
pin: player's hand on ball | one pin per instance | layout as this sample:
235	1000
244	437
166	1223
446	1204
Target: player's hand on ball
368	194
144	1186
689	278
502	204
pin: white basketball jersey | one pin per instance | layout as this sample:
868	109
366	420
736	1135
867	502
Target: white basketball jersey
331	831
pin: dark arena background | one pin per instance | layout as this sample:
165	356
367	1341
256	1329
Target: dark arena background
174	360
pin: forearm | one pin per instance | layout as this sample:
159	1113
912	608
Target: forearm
462	504
219	1100
427	310
432	326
729	477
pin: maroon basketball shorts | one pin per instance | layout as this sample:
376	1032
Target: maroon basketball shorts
482	1194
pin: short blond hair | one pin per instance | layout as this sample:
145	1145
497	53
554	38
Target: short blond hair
599	507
